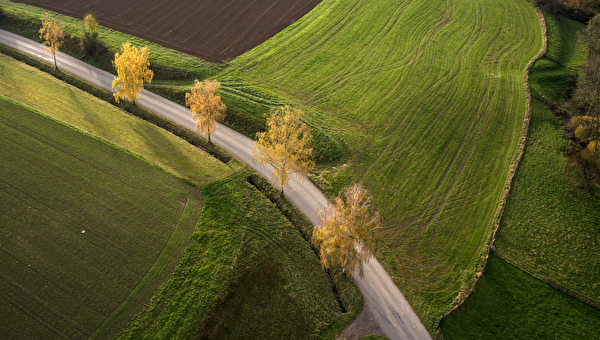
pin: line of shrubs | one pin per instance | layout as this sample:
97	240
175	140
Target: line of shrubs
178	130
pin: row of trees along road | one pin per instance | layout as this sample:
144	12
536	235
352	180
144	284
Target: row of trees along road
584	165
53	35
345	237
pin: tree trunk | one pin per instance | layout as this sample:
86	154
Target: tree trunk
209	137
55	65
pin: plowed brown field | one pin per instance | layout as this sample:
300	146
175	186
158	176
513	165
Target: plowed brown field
214	30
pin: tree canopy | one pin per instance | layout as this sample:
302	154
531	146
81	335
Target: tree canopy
132	70
285	145
206	106
345	237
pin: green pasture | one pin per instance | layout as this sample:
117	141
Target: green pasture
88	231
510	304
87	113
430	97
247	274
550	227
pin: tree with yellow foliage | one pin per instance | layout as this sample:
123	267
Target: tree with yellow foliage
207	107
285	145
132	70
345	237
52	33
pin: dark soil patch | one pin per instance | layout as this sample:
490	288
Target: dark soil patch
214	30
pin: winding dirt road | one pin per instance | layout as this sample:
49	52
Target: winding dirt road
385	308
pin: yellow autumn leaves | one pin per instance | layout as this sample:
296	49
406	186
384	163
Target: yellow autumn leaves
206	106
345	237
132	70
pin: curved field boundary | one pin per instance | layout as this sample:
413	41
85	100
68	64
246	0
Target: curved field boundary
86	226
513	168
429	97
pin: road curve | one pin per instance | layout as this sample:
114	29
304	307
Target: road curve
388	307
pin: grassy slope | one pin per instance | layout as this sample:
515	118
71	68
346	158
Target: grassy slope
430	97
247	274
71	105
547	228
311	297
87	229
510	304
550	228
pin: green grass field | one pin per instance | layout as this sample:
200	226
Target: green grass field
88	231
247	274
550	227
275	266
431	100
87	113
510	304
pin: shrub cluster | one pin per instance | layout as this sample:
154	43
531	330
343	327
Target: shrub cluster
581	10
178	130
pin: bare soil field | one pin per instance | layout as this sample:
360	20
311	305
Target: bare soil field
214	30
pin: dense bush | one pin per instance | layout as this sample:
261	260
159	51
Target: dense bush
581	11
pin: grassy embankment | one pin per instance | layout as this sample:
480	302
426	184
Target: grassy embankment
87	113
430	98
549	227
267	281
88	231
511	304
314	299
174	74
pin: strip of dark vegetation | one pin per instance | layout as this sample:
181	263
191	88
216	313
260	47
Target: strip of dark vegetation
339	282
186	134
581	10
246	274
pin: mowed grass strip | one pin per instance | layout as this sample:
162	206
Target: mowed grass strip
247	274
550	227
431	100
87	113
510	304
82	223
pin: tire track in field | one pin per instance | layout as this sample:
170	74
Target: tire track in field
110	258
93	184
95	164
24	293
